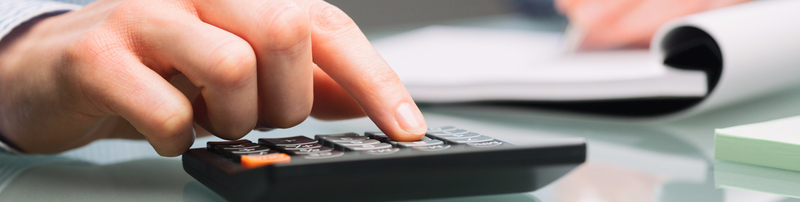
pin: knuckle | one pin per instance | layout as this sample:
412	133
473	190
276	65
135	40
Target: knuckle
232	64
288	27
130	11
91	46
327	17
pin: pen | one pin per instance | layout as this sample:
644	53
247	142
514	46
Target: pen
572	39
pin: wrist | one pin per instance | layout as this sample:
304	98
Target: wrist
14	46
10	42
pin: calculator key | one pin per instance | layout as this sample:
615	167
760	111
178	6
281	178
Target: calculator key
336	135
382	151
456	131
222	149
212	144
237	156
425	141
358	142
444	128
251	161
470	140
493	143
300	146
288	141
460	135
323	155
433	147
345	139
369	146
311	150
228	152
380	136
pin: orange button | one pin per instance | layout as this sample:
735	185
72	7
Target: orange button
251	161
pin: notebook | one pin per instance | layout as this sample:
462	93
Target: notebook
720	57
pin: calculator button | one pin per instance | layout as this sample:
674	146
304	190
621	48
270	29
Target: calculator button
442	128
485	144
382	151
369	146
251	161
424	142
433	147
300	146
456	131
358	142
237	156
289	141
228	152
345	139
470	140
212	145
222	149
311	150
460	135
336	135
380	136
323	155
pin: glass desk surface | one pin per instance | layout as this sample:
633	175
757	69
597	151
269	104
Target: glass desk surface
628	159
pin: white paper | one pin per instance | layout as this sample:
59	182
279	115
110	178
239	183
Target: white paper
760	45
455	64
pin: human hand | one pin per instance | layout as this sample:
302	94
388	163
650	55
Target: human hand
153	69
628	23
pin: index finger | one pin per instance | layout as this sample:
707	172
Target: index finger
343	52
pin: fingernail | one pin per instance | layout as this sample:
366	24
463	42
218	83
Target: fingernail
410	119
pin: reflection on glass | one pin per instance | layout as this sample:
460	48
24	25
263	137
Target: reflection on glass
57	178
757	178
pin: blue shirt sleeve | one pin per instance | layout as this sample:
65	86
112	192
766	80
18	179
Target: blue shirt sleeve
15	12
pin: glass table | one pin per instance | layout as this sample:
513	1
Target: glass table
629	159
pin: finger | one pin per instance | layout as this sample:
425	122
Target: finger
121	85
723	3
592	14
343	52
331	101
278	32
183	84
565	6
220	63
638	24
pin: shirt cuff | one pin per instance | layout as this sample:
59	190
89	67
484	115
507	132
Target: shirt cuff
15	12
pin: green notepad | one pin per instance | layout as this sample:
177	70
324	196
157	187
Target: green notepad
773	143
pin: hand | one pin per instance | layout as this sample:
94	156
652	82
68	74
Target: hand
154	69
621	23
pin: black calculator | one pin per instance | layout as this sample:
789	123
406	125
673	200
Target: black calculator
446	162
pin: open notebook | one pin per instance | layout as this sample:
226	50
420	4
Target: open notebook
453	64
718	57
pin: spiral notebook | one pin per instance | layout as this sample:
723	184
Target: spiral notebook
718	57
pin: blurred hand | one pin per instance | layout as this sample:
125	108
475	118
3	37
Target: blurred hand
153	69
623	23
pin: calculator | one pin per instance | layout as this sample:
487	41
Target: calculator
447	162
